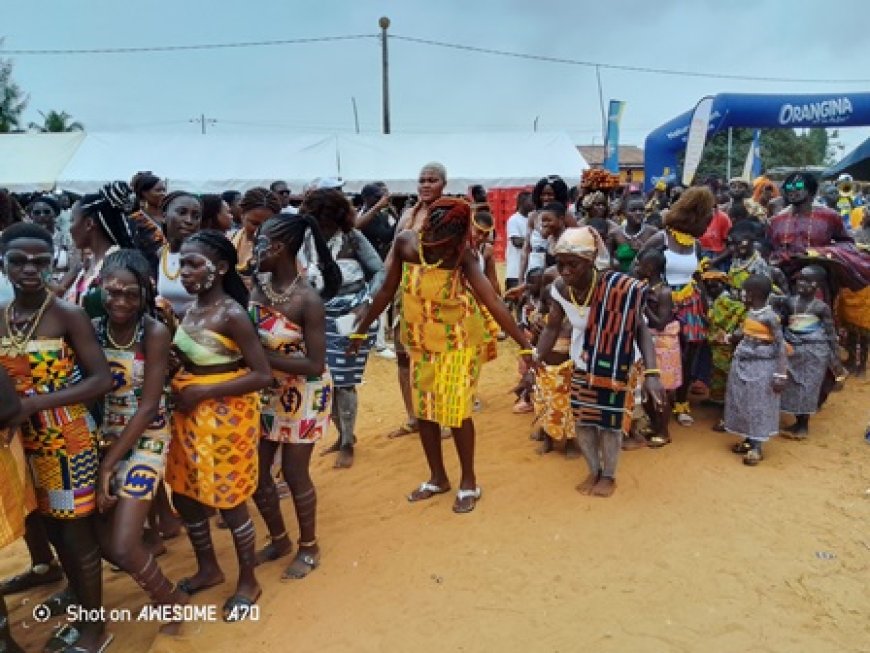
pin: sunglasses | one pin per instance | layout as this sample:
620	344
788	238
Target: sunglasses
795	185
17	258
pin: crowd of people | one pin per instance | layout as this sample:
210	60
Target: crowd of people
166	357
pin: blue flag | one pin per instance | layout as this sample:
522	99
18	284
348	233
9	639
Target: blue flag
611	142
752	167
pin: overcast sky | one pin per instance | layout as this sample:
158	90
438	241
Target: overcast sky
308	87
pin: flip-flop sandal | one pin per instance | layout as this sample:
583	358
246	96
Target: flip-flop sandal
460	507
184	586
426	491
104	644
31	578
270	552
62	638
238	607
310	560
405	429
741	448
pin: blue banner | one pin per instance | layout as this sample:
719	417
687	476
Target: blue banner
611	141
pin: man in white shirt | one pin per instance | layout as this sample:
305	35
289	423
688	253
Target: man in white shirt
517	230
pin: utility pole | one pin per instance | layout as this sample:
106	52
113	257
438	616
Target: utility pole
203	121
384	22
535	124
355	114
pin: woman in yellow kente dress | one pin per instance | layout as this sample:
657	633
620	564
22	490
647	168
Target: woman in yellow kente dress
445	334
13	503
43	340
212	459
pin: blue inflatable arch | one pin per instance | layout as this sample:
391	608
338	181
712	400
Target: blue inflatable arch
757	111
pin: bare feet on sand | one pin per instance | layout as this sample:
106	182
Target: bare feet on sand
586	486
604	488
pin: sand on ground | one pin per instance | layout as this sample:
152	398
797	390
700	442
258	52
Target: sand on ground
694	552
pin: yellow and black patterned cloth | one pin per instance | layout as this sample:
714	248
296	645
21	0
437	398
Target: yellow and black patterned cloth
60	444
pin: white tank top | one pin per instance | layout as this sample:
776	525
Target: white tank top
577	316
679	268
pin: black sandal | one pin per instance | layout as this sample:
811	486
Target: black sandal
270	552
32	578
238	607
742	448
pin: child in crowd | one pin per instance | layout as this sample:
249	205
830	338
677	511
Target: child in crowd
665	330
757	375
725	314
810	331
482	228
531	312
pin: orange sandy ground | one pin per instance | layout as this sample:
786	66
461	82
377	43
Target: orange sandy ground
695	552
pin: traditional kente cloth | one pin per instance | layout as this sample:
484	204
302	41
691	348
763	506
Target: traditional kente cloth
724	317
445	334
346	370
552	399
807	363
742	269
751	405
14	504
601	391
213	455
139	473
59	444
689	311
295	409
853	310
147	237
668	360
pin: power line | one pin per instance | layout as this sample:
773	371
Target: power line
202	46
636	69
430	42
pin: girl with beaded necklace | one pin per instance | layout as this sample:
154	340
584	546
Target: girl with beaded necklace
135	432
42	339
290	318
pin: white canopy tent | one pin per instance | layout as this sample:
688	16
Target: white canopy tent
215	162
35	161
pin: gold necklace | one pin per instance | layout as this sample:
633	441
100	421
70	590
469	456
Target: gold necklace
588	294
164	260
423	263
20	338
276	297
117	345
682	238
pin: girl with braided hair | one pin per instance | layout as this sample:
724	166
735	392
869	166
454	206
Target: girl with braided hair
444	332
290	319
99	227
135	432
212	460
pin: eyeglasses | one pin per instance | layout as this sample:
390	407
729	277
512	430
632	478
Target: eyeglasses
794	185
17	258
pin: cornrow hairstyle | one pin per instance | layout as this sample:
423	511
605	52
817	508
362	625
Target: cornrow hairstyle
45	199
136	264
290	230
169	198
211	208
560	190
449	221
106	208
260	198
225	251
26	230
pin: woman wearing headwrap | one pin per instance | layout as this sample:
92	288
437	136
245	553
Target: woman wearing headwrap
605	309
445	334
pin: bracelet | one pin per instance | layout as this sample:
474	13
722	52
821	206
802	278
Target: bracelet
525	352
652	371
358	336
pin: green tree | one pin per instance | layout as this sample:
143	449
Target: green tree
12	100
56	121
779	147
